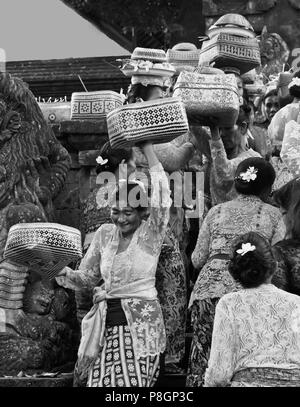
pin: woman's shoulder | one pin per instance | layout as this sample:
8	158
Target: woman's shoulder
272	210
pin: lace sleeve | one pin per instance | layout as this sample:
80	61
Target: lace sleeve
222	360
276	129
201	251
88	274
160	201
224	168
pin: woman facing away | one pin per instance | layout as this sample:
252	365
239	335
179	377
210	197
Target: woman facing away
287	251
224	222
256	334
123	334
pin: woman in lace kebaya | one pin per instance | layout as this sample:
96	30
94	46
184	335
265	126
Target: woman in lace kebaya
96	209
224	222
287	252
256	334
171	279
123	334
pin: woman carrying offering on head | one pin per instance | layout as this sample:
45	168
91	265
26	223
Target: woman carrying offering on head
256	334
228	148
171	278
123	334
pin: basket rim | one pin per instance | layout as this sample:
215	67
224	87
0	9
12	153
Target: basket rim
46	225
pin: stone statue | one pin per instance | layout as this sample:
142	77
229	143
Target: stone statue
274	53
37	318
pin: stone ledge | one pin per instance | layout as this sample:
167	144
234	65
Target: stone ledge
65	380
83	127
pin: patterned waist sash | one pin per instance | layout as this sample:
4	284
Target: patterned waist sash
269	377
93	324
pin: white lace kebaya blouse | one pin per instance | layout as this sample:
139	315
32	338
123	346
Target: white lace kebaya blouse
222	224
257	327
223	171
130	275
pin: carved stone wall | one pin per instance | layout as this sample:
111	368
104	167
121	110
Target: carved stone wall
83	140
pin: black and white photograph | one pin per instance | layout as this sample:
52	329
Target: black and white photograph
150	197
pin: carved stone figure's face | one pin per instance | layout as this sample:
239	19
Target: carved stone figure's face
38	298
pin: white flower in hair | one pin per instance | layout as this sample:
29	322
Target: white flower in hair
246	247
100	160
249	175
295	82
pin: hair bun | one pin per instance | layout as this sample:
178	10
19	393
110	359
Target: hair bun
253	267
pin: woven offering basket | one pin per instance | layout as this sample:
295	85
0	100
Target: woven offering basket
94	105
231	50
44	247
157	121
149	54
206	95
184	57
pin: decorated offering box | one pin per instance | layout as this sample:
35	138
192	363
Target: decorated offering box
235	24
158	121
231	50
184	57
94	105
56	112
44	247
206	95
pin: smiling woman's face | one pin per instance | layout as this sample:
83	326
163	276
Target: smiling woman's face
126	218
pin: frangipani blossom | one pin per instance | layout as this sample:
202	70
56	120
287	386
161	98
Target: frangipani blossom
249	175
246	247
100	160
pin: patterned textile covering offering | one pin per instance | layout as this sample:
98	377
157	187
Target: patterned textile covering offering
94	105
158	121
209	95
56	112
141	67
44	247
184	57
231	50
147	61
